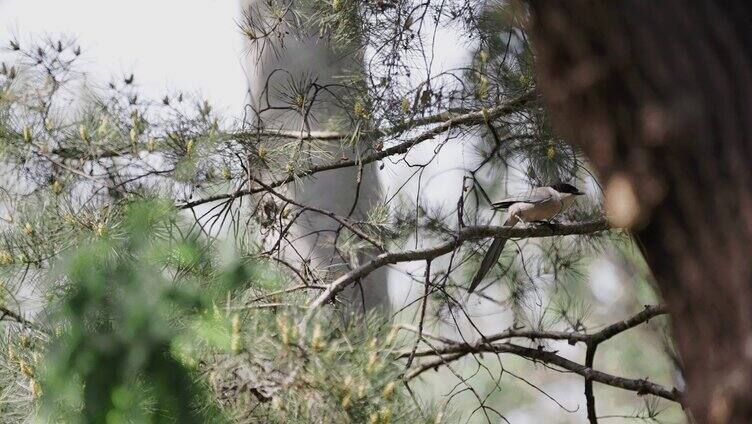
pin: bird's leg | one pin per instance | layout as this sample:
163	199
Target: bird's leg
524	223
550	224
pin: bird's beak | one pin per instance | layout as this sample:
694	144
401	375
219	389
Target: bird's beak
579	193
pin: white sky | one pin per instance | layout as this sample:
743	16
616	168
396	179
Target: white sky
191	45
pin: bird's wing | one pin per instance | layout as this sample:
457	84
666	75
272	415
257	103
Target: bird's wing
538	195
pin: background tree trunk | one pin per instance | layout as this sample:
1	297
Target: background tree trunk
659	95
274	66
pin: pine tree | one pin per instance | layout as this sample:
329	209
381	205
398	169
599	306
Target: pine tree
236	259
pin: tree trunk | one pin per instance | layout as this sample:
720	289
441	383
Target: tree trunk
274	65
659	96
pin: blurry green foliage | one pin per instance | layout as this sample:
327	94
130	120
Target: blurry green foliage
111	360
153	327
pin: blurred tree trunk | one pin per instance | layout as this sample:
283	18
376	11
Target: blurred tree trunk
659	95
277	67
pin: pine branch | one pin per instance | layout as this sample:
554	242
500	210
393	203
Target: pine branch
468	119
454	350
640	386
345	222
464	235
7	313
572	338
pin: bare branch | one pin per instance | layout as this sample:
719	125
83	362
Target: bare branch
465	234
7	313
340	219
457	349
640	386
468	119
571	337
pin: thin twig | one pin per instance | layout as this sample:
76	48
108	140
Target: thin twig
423	306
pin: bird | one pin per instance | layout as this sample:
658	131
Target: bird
541	204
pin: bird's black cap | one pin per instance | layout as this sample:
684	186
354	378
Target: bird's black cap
566	188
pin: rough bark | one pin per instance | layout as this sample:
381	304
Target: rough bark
659	95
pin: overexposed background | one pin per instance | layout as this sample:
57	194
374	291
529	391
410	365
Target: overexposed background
170	44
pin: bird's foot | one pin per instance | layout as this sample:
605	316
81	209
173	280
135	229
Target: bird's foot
551	225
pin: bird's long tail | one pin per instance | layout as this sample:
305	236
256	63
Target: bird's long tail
492	256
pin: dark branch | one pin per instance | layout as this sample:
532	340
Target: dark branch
640	386
7	313
457	349
464	235
468	119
